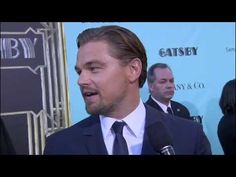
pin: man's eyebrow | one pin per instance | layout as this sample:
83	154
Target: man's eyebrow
94	62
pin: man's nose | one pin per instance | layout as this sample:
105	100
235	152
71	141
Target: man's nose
83	79
170	84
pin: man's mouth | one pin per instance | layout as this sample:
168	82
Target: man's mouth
89	94
169	92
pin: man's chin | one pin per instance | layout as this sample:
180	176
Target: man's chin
91	110
169	97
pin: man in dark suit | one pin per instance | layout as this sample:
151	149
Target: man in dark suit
86	138
112	66
161	87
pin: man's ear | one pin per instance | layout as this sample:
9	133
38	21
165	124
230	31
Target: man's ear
150	86
134	70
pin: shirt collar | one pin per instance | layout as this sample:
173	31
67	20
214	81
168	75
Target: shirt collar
133	125
163	106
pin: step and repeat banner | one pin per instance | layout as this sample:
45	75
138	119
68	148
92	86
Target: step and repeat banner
34	94
201	55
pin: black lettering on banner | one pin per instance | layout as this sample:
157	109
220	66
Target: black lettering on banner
189	86
198	85
179	86
181	51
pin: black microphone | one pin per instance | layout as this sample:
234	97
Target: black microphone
160	139
197	119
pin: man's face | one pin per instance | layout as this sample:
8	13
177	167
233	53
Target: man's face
162	88
102	79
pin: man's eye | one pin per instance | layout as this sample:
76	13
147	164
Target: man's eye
78	72
94	69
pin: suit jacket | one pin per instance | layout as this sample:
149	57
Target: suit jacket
85	137
178	109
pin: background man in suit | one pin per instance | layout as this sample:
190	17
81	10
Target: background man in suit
161	87
112	66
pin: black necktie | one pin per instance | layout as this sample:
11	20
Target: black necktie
120	145
169	110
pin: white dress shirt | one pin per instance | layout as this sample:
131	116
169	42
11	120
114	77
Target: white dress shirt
133	132
163	106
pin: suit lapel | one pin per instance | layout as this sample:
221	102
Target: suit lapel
152	116
178	111
94	139
153	104
174	108
147	149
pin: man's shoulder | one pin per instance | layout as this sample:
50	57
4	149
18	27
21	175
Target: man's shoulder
185	124
180	109
88	121
76	128
154	111
174	123
177	104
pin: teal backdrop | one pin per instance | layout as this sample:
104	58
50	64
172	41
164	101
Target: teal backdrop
201	55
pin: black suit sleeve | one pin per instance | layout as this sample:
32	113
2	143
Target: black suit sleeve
203	144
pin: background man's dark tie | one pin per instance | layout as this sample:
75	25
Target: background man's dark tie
120	146
169	110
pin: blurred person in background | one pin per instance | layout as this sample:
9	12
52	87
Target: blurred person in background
161	87
227	124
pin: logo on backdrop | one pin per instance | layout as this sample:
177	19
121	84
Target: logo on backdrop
181	51
230	49
22	49
190	86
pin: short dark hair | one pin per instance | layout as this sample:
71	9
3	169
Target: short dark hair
125	45
227	99
151	77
